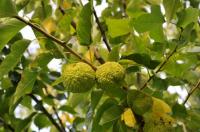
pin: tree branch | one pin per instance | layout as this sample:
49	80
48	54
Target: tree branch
46	112
59	42
55	111
96	54
160	67
124	7
6	125
191	92
101	30
63	13
98	57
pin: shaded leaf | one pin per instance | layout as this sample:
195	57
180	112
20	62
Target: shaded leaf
139	102
111	114
179	111
21	125
41	121
14	57
25	85
106	105
142	58
95	98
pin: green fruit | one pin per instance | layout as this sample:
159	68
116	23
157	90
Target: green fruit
153	127
78	77
156	123
110	75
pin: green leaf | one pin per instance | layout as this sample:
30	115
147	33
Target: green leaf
26	101
8	30
84	25
7	8
42	60
188	16
21	4
171	6
68	109
179	111
6	83
21	125
119	126
41	121
111	114
139	101
25	85
118	27
77	98
95	98
106	105
57	81
152	23
14	57
160	84
116	92
114	54
142	58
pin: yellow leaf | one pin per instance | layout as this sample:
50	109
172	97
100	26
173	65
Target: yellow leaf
89	55
160	107
67	118
128	117
66	5
49	25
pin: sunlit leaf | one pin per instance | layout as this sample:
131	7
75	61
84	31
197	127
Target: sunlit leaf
8	30
188	16
171	6
118	27
7	8
84	25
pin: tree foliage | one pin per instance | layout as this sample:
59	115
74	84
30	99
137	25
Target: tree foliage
149	82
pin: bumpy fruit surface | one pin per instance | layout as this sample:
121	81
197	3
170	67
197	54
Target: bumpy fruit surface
110	75
156	123
78	77
153	127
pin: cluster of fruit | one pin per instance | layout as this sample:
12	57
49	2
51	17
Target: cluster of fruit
80	77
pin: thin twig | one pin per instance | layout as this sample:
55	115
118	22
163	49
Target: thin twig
191	92
160	67
101	30
6	125
59	42
63	13
98	57
124	7
96	54
163	64
55	111
46	112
